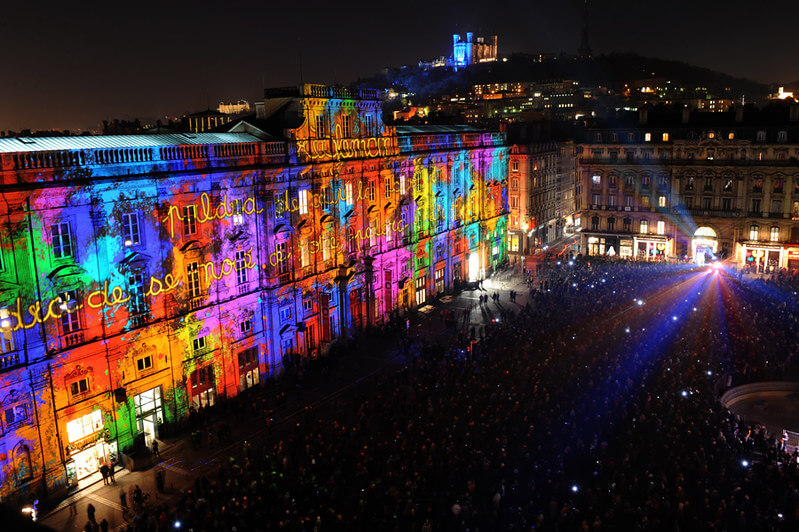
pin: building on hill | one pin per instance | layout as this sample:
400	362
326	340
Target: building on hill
143	277
473	50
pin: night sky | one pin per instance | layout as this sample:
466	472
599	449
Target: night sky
73	64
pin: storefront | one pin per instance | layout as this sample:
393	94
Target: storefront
149	413
609	246
760	258
652	248
793	259
203	387
88	449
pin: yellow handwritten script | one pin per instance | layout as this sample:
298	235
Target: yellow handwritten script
18	319
331	244
338	148
226	209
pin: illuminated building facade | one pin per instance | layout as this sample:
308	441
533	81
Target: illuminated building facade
143	276
723	188
473	49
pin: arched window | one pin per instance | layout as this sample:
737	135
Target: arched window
22	463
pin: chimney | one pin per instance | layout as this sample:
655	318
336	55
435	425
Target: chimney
260	111
643	115
793	112
739	114
686	114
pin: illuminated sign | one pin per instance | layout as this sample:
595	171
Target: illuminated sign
338	148
206	213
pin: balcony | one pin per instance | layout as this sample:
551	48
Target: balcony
284	278
715	213
196	302
9	361
243	288
137	320
74	338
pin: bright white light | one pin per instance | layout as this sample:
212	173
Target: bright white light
574	285
640	302
709	372
674	318
745	463
571	263
558	263
716	265
177	524
627	330
575	489
694	309
684	393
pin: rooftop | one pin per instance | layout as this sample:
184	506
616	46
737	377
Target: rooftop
28	144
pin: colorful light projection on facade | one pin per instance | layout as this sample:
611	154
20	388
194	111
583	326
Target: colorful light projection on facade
138	283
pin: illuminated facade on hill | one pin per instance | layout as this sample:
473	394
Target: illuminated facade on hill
143	276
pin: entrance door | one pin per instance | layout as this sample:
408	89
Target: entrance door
148	413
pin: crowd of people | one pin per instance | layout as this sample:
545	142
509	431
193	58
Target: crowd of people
592	406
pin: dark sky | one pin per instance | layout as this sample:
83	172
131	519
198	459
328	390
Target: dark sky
73	64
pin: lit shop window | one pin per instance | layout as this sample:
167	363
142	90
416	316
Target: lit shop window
85	426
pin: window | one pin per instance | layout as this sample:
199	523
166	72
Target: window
707	203
130	229
774	235
661	201
285	314
348	193
731	136
371	191
68	305
282	257
189	220
756	206
241	268
2	264
368	125
645	201
144	363
138	303
645	181
514	202
596	180
782	136
595	198
753	232
627	225
612	180
199	344
628	180
689	183
611	224
346	126
663	181
628	201
665	137
245	326
307	306
595	223
321	126
726	204
62	240
389	184
402	184
15	415
79	387
514	184
708	184
193	279
661	228
689	202
779	183
303	198
612	200
728	183
647	137
85	426
514	166
238	213
644	227
776	206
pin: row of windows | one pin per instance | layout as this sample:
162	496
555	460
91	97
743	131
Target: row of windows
782	136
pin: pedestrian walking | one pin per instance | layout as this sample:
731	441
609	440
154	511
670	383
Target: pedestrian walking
123	498
111	472
104	525
155	448
90	510
104	473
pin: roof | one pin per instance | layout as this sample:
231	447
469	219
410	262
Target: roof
433	129
26	144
